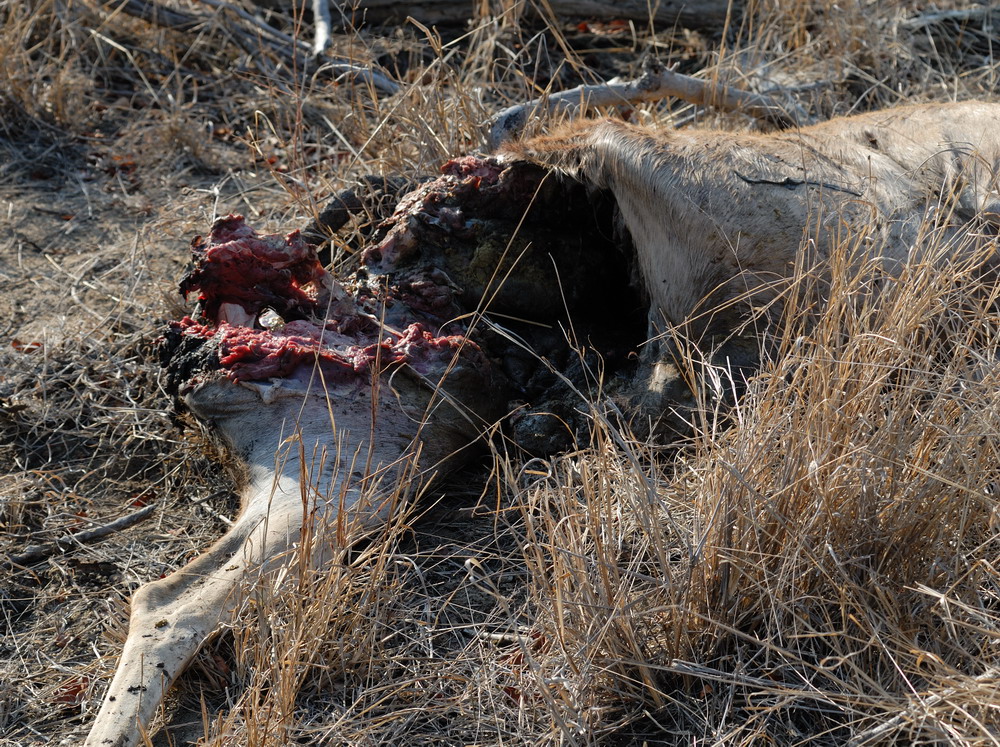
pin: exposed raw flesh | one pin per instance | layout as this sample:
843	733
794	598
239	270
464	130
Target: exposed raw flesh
239	274
237	266
543	259
247	354
485	236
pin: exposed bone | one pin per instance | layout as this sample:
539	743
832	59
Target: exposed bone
656	83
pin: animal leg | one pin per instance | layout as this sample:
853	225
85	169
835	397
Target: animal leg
665	398
172	617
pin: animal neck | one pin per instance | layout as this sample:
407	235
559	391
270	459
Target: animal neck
313	448
660	199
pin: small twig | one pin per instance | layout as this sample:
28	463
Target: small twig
257	23
960	15
34	553
203	503
656	83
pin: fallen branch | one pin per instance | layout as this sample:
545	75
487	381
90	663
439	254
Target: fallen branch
257	23
705	14
656	83
34	553
340	68
294	53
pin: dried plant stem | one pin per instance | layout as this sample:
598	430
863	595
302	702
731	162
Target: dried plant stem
34	553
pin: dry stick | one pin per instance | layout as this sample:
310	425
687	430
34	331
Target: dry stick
257	23
656	82
34	553
960	15
289	49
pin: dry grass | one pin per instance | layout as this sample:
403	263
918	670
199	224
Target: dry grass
823	569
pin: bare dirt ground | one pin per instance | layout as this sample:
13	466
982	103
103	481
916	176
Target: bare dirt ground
526	602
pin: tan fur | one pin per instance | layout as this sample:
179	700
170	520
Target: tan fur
722	213
721	220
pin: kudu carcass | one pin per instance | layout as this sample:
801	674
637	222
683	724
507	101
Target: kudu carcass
333	395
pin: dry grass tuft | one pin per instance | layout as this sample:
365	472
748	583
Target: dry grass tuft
821	569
